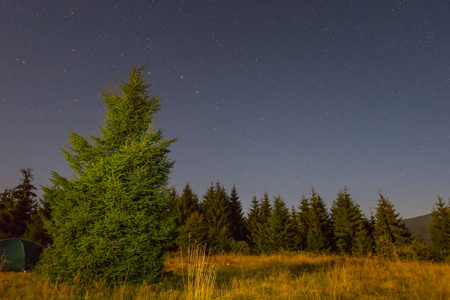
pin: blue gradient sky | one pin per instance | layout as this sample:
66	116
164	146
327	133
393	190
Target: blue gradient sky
276	96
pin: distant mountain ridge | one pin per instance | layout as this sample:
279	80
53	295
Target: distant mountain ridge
419	226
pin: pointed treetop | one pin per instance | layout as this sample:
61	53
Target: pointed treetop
128	115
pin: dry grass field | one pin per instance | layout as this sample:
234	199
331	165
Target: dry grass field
280	276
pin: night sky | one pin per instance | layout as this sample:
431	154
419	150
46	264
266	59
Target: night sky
276	96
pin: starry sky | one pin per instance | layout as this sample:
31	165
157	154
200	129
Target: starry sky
276	96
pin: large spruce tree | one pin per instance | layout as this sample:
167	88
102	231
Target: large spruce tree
109	221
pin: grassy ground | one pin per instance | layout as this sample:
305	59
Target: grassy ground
280	276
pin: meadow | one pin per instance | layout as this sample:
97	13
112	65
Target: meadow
194	275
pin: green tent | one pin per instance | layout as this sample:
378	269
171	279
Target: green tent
18	254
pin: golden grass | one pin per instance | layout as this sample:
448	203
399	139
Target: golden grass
336	277
278	276
201	274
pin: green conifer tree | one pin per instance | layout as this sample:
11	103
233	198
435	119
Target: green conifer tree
278	221
390	232
17	206
440	230
303	223
348	226
293	230
263	235
184	205
6	214
237	221
181	209
319	235
194	232
363	240
109	222
25	202
258	224
253	219
216	213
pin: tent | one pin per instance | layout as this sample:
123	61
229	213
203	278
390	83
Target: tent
18	254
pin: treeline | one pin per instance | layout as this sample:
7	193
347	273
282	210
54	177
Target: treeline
217	221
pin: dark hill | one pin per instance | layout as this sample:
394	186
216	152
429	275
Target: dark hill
418	226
